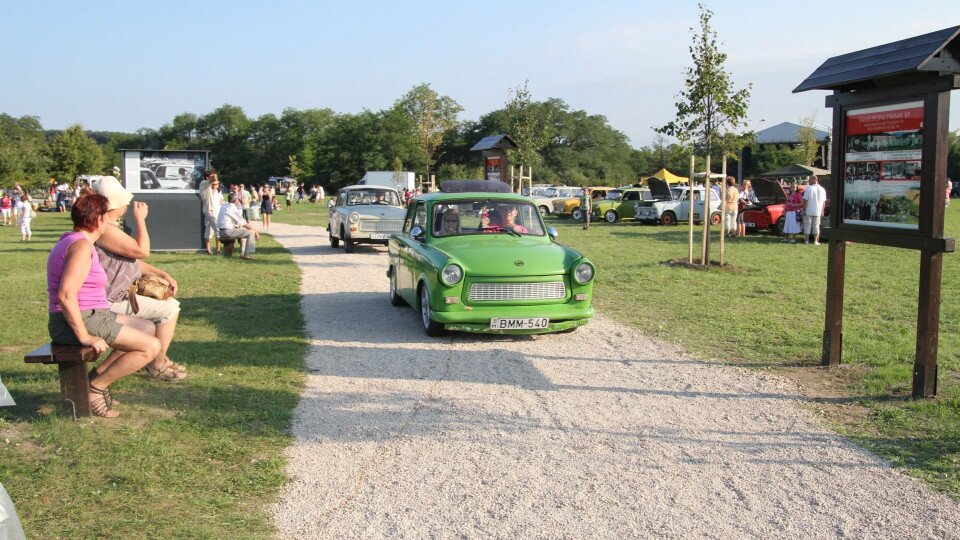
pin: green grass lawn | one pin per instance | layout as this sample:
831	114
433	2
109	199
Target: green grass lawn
302	214
198	458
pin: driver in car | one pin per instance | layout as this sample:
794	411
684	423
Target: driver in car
509	213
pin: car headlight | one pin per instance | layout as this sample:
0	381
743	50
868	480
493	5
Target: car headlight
583	273
451	274
354	217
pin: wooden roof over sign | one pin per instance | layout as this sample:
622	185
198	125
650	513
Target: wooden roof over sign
499	142
936	52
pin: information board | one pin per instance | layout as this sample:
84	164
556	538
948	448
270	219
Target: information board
883	153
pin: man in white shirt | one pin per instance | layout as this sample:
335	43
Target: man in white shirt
211	199
232	225
816	198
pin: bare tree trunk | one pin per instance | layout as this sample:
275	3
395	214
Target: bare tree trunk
705	254
690	198
723	207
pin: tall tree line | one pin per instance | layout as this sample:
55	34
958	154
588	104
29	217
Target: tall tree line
420	132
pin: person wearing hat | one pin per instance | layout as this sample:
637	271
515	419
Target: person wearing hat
122	258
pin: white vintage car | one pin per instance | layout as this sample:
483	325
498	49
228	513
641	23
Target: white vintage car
672	205
544	201
365	215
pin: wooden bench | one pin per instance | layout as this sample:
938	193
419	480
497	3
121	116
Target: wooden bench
226	244
72	363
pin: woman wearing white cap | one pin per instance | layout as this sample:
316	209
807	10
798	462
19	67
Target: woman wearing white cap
122	258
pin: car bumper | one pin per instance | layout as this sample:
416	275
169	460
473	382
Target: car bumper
477	320
485	328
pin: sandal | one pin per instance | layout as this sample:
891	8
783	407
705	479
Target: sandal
100	405
168	372
93	375
180	368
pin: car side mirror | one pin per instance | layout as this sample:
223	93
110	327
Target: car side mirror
417	232
552	233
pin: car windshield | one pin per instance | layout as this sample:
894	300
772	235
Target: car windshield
372	196
485	216
550	192
614	194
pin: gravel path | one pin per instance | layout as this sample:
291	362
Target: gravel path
602	433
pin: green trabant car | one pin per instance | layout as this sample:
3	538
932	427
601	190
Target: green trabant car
474	257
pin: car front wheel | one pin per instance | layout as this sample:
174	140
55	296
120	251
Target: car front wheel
544	211
347	242
610	216
716	218
778	227
431	327
668	218
334	241
577	214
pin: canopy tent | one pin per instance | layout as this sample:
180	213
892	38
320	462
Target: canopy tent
795	170
668	177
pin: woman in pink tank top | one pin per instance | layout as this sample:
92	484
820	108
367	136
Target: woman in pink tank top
79	311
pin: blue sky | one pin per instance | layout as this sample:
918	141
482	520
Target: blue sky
123	65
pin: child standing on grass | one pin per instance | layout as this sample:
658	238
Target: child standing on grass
25	215
6	206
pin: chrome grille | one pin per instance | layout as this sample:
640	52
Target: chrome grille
517	291
381	225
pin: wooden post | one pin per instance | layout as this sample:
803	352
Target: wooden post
836	258
690	198
512	190
723	207
705	252
936	109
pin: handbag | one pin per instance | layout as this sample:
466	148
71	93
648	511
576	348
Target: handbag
150	286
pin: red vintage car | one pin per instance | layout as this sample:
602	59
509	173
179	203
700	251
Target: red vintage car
768	213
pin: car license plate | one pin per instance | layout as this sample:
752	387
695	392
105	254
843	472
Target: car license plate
530	323
751	225
379	236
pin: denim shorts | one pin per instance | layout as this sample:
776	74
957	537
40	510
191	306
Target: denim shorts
99	322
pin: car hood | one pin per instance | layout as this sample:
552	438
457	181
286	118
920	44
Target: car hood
769	191
659	189
499	254
376	211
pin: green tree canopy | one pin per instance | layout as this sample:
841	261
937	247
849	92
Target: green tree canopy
72	153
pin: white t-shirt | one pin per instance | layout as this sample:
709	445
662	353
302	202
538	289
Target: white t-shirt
816	198
24	211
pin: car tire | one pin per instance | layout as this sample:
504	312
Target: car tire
577	215
716	218
334	241
610	216
544	211
430	326
395	299
668	218
348	244
778	227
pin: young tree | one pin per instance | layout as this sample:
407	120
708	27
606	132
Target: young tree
708	105
72	153
807	135
530	130
433	116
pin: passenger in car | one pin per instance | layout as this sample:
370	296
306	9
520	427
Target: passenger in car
450	222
